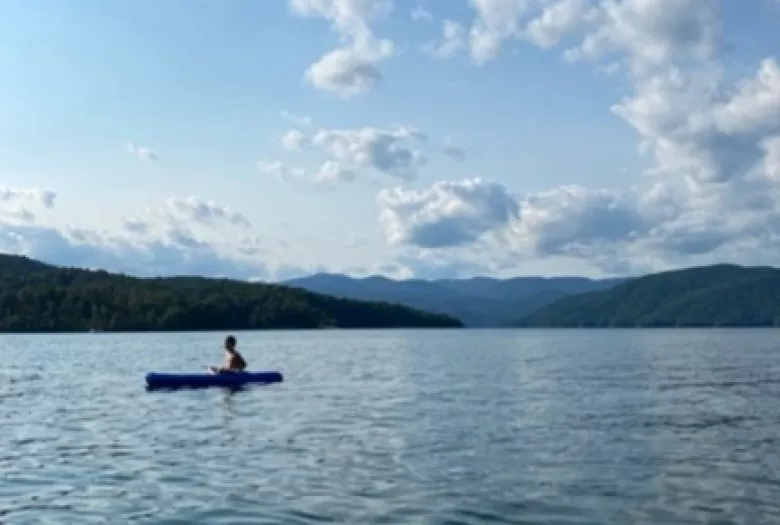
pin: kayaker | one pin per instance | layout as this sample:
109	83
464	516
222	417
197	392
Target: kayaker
235	363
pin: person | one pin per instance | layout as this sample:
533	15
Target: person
235	363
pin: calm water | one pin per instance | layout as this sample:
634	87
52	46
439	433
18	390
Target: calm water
437	427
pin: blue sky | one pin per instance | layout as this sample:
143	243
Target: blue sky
272	139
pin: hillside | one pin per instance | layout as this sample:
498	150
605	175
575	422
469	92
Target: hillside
37	297
720	295
478	301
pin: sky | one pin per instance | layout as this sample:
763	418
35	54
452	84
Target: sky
266	140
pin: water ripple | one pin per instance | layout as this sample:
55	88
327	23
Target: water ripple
396	427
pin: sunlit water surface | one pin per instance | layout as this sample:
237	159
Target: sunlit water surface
396	427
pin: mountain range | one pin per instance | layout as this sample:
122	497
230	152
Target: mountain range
39	297
477	302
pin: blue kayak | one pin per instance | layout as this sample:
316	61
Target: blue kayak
231	379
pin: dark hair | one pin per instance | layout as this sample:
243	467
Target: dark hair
230	341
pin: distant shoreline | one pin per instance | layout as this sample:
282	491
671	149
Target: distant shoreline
398	329
36	297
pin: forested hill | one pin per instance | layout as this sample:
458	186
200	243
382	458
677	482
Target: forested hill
712	296
37	297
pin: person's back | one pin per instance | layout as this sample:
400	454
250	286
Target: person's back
235	362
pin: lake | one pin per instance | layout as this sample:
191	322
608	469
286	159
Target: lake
396	427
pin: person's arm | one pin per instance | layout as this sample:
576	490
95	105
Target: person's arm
220	370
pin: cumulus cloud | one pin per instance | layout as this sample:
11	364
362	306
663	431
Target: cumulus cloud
204	212
347	71
139	247
555	21
495	22
83	248
384	150
136	226
332	171
142	152
453	40
711	195
347	17
650	33
771	147
571	220
446	214
711	192
646	33
19	205
297	119
350	69
294	140
452	150
420	14
27	196
395	151
696	126
280	170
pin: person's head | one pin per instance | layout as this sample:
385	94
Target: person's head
230	343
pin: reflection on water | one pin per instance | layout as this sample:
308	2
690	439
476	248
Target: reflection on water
478	426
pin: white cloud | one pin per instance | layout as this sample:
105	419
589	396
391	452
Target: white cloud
383	150
350	69
697	127
136	226
647	33
140	247
420	14
174	254
754	107
651	33
20	205
446	214
771	147
205	212
294	140
332	171
304	122
712	194
399	151
347	71
555	21
714	144
27	196
142	152
393	151
452	150
350	18
453	40
495	22
280	170
571	220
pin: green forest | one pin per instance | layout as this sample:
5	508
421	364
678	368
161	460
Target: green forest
37	297
711	296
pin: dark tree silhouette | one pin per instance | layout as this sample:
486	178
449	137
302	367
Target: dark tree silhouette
37	297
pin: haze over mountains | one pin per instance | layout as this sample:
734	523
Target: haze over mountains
719	295
477	302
